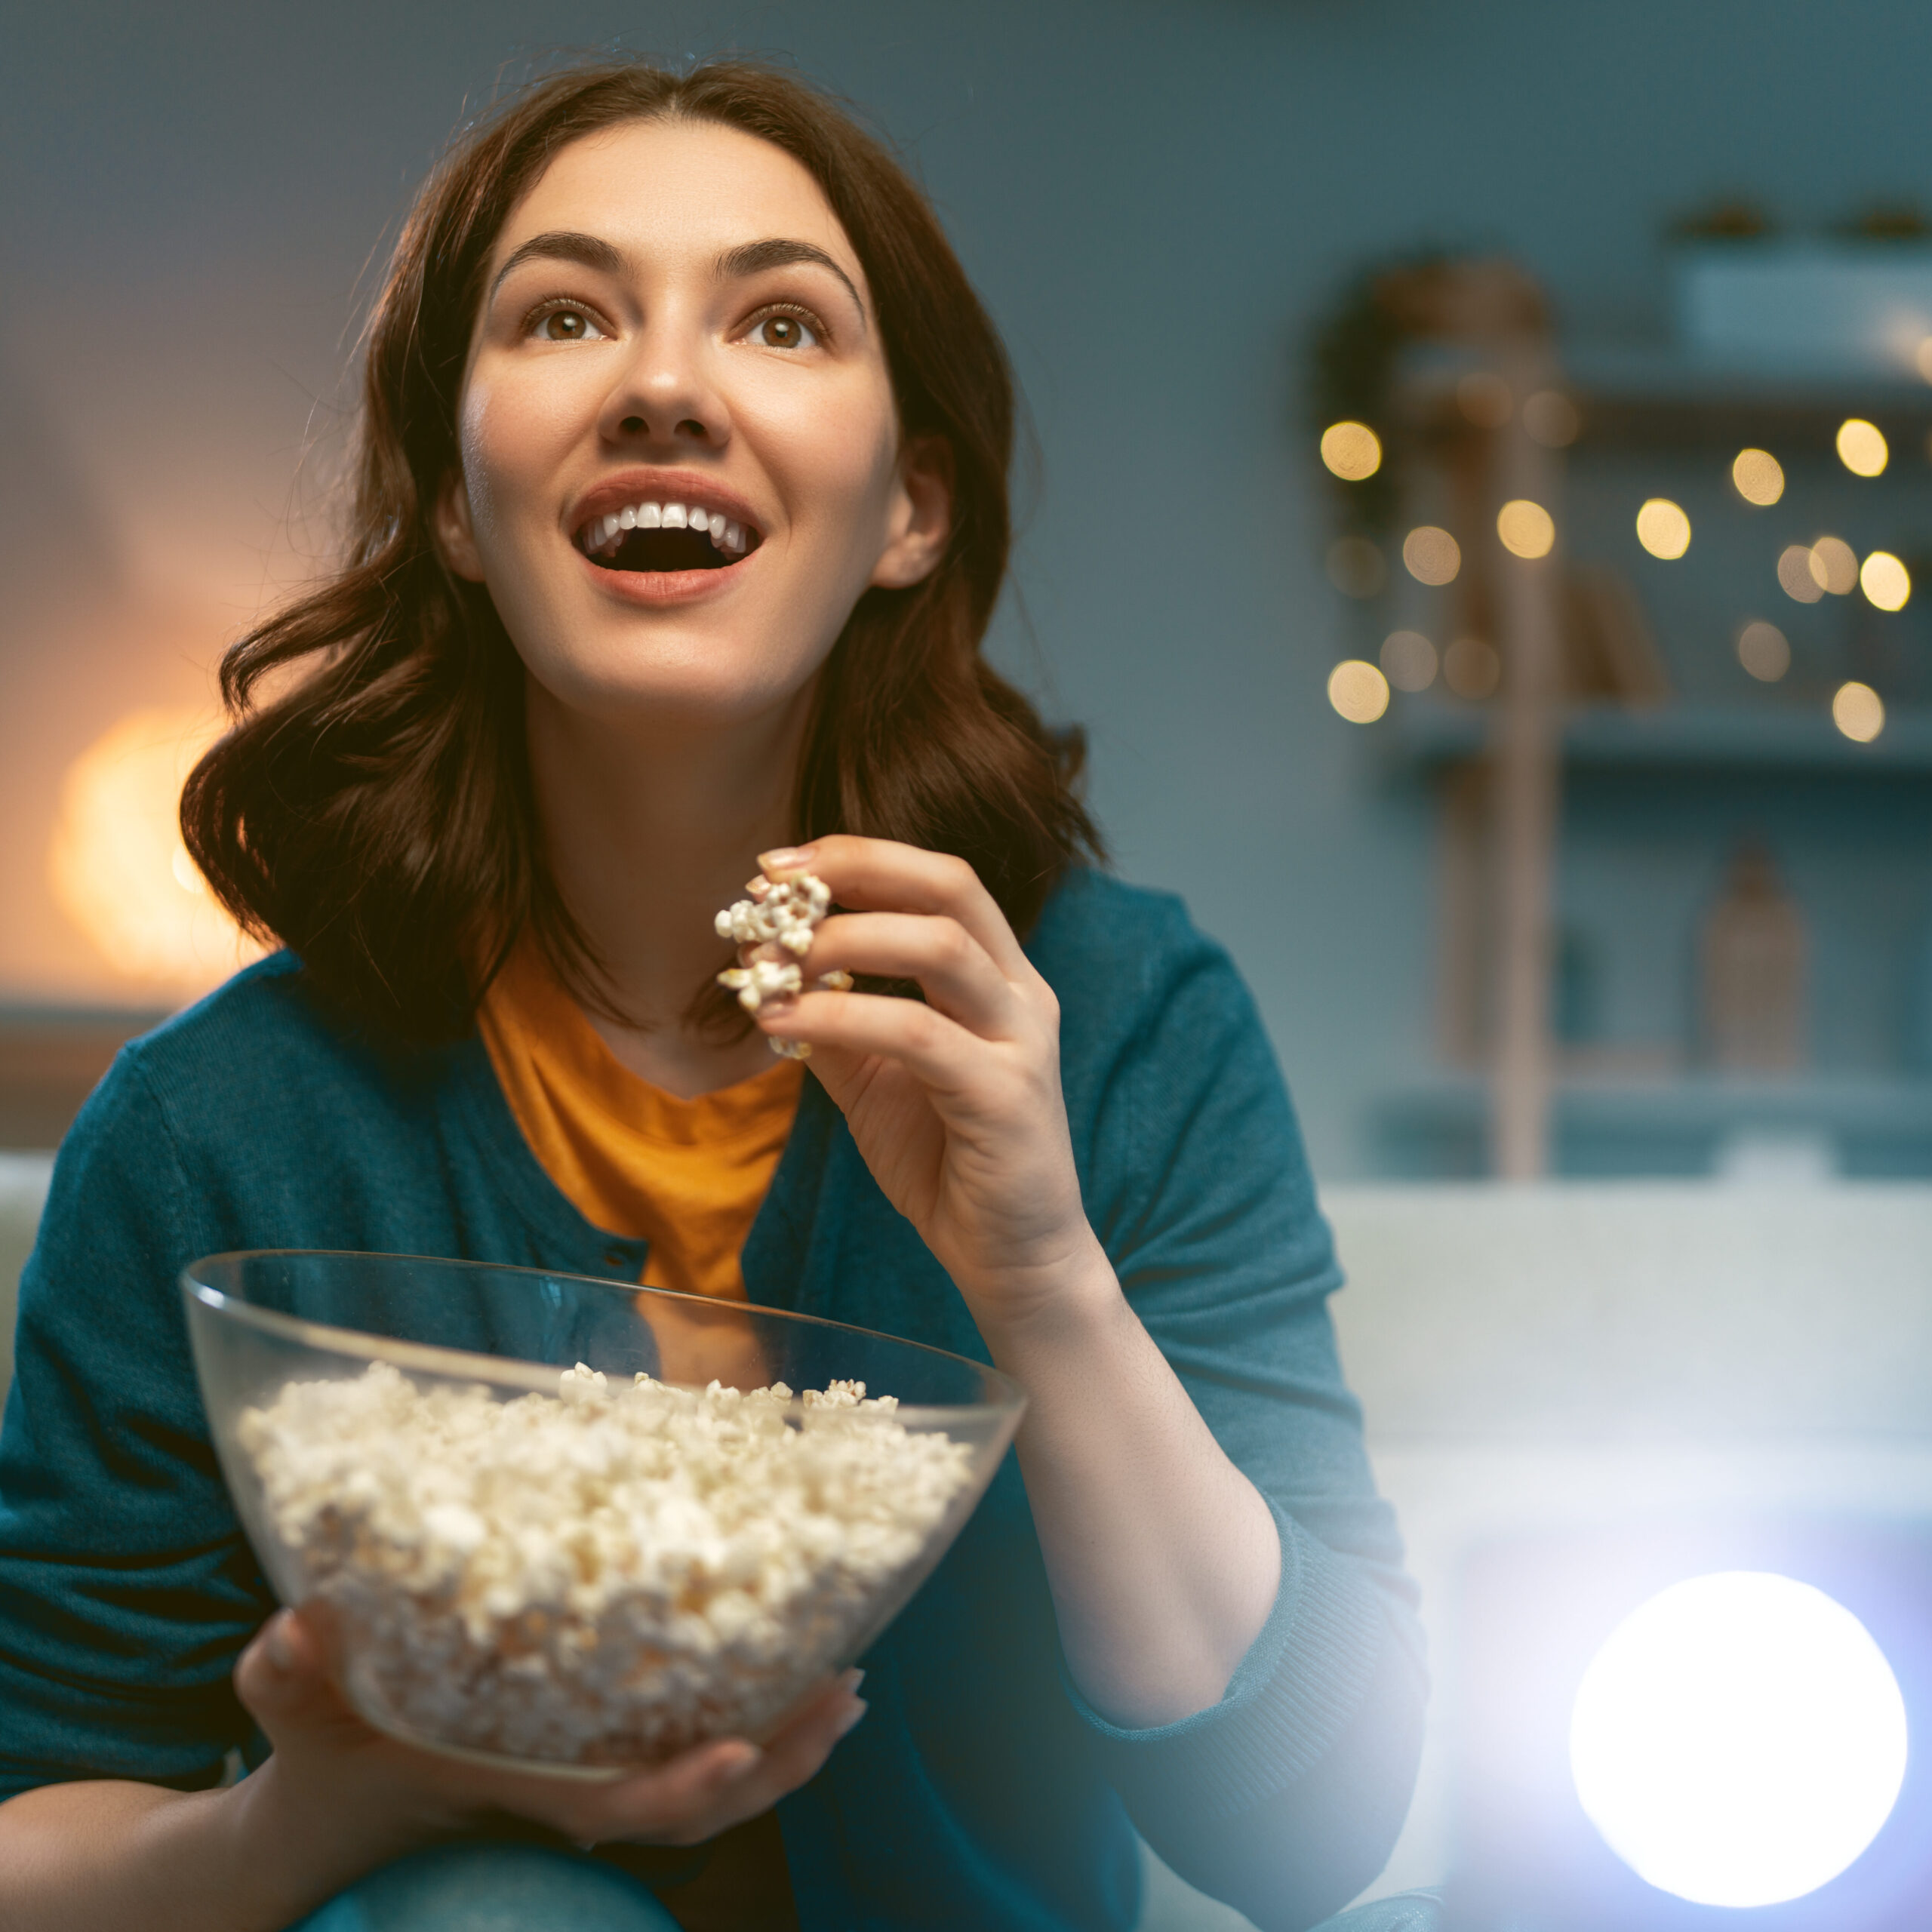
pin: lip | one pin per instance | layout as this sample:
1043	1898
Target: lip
656	588
689	486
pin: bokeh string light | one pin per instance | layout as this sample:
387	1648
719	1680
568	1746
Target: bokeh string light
1764	651
1408	660
1758	476
1663	529
1885	581
1358	690
1858	711
1351	451
1861	447
1794	574
1834	566
1484	399
1527	529
1471	668
1432	554
1550	418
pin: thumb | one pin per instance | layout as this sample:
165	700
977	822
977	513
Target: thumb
283	1677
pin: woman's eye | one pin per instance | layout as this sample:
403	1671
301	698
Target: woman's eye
783	331
566	324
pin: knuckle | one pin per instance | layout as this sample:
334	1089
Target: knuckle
952	944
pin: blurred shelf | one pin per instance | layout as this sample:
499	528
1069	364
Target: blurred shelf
1702	1102
1655	398
1684	737
51	1057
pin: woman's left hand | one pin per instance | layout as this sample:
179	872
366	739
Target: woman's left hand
956	1104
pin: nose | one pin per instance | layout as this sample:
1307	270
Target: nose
666	394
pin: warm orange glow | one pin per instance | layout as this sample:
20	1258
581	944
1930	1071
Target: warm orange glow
1471	668
1759	476
1834	566
1765	651
1795	573
117	865
1859	712
1663	529
1358	690
1885	581
1862	447
1433	555
1408	660
1527	529
1352	450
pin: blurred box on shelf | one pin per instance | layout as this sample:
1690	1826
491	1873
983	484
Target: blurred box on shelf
1806	307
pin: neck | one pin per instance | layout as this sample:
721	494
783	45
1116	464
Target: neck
646	840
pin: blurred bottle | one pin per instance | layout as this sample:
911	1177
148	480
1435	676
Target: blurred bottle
1755	954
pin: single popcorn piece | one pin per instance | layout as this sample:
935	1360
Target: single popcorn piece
605	1576
786	913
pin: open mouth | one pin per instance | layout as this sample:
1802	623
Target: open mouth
666	537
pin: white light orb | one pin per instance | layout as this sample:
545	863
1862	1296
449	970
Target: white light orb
1738	1740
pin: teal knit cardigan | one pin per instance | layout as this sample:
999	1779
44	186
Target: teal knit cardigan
981	1791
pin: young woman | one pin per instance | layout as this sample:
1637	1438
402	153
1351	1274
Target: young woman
488	785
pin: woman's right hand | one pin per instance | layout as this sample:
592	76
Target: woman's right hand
332	1772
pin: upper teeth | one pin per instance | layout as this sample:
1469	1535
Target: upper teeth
725	535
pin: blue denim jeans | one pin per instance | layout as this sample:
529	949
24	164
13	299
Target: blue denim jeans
492	1888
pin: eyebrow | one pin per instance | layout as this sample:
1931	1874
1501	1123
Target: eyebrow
749	258
562	244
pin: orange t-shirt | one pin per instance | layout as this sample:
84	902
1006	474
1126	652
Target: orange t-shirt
686	1176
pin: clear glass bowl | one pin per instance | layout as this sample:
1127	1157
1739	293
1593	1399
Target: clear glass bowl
530	1597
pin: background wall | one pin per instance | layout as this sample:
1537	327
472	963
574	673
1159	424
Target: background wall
1153	197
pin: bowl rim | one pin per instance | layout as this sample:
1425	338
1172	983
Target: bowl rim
537	1378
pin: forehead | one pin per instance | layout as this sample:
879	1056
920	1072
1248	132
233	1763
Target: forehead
663	190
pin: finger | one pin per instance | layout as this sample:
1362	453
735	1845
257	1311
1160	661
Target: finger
676	1802
938	1052
879	875
797	1753
283	1677
951	968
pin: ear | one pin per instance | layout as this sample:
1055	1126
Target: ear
920	519
450	524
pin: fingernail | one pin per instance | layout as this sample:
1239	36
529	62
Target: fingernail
736	1762
852	1680
281	1651
860	1707
783	858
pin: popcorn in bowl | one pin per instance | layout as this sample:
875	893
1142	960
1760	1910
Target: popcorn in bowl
602	1577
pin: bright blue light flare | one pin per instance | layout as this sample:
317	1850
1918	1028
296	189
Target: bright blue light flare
1738	1740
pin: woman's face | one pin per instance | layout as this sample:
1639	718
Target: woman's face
681	463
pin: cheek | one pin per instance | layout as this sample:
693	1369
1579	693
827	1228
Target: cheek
511	438
841	456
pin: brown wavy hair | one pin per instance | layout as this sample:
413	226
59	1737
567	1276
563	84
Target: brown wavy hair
375	815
